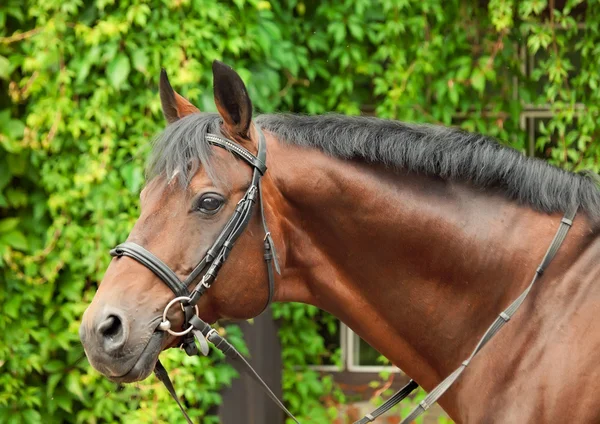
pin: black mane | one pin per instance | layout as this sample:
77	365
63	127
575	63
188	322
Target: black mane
448	153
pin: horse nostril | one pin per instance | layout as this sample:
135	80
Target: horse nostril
110	327
112	332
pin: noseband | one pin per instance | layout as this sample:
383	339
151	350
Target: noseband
209	268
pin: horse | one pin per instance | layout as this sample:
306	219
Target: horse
416	236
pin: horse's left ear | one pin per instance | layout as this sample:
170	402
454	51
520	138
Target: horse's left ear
231	99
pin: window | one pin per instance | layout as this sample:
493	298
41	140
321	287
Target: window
355	354
362	357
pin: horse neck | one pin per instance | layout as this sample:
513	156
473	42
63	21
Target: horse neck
416	266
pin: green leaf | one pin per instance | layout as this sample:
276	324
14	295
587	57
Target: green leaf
83	70
133	176
16	197
118	70
453	95
54	366
17	164
140	60
4	68
11	308
32	416
53	381
15	239
356	30
73	385
14	128
210	377
64	402
8	224
5	175
338	30
478	81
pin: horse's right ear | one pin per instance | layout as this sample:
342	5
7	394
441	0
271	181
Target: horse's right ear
174	106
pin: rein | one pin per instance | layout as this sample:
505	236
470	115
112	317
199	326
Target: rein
218	253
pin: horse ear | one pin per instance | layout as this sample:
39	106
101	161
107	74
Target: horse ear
231	99
174	106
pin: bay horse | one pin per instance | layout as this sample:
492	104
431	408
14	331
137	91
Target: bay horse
415	236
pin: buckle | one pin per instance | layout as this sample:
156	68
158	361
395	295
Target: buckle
204	282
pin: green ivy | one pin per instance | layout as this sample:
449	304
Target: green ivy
79	106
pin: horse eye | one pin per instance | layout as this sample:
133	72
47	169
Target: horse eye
210	203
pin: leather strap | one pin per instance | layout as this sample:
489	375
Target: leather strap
255	161
234	357
389	404
268	260
503	318
237	360
196	272
162	374
268	237
270	254
150	261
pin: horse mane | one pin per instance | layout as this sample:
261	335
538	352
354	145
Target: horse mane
444	152
180	150
448	153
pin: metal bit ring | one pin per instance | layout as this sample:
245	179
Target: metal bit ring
165	325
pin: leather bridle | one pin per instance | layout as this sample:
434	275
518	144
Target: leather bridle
209	268
218	253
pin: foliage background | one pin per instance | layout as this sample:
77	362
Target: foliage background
79	105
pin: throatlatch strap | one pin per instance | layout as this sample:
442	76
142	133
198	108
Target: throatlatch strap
268	237
271	280
503	318
270	254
